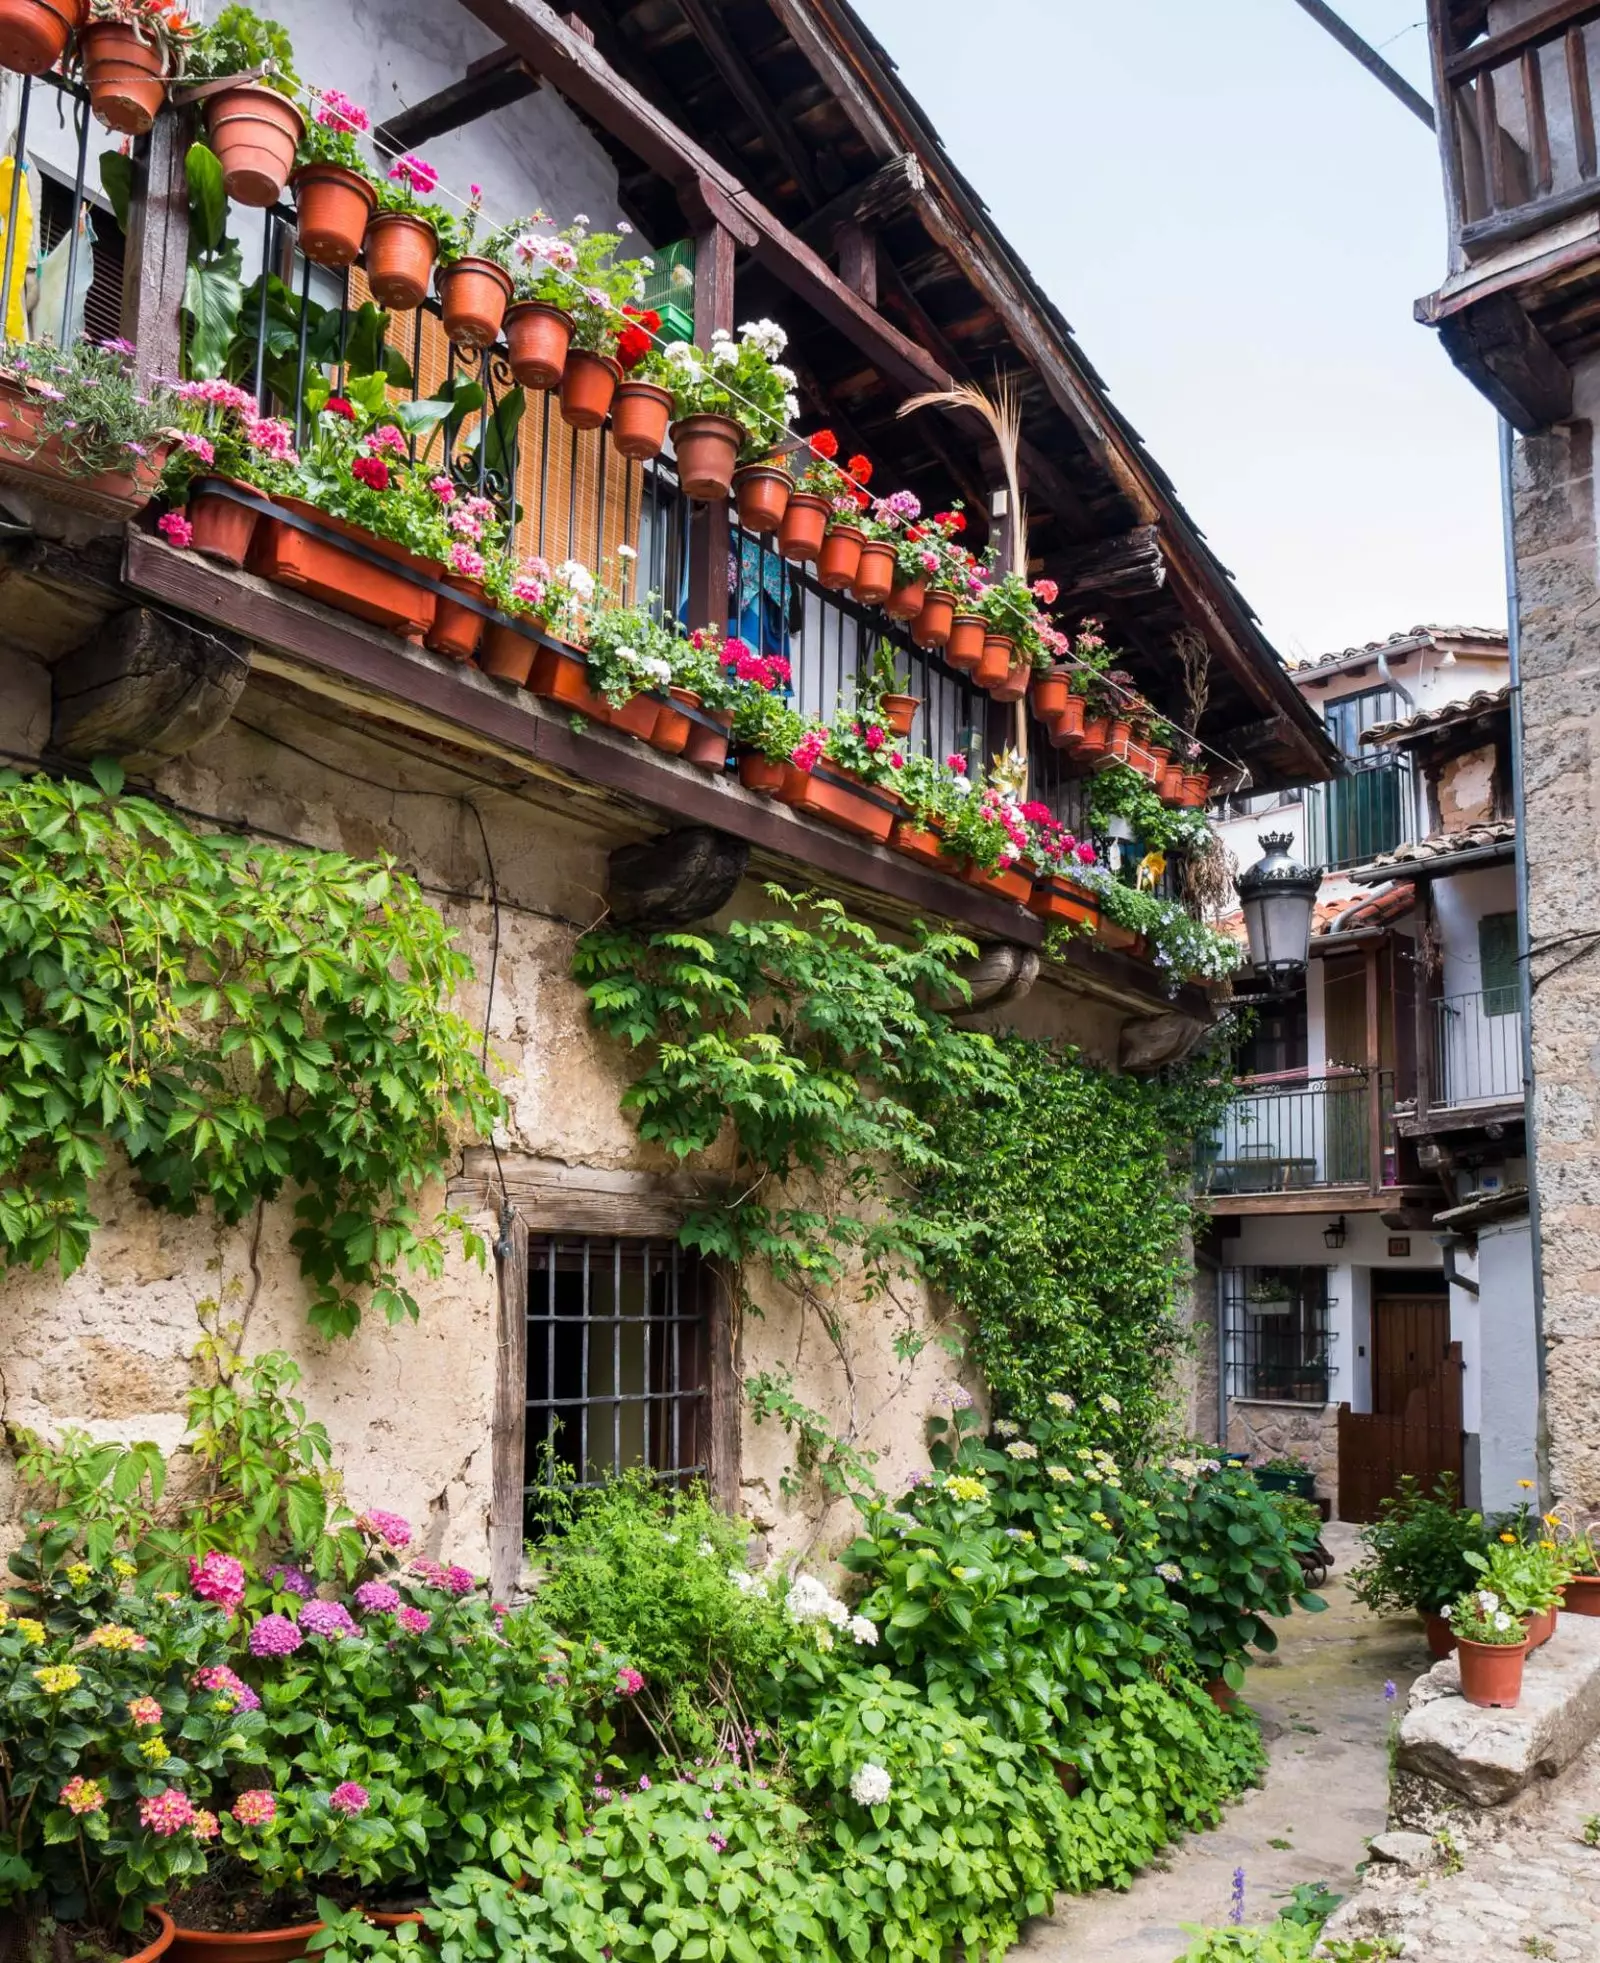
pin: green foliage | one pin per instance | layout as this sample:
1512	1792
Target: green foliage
1064	1211
238	42
1417	1550
1122	792
213	288
1528	1576
842	1468
1283	1942
88	406
235	1018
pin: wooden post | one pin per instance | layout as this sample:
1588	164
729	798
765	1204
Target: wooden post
158	250
510	1413
1424	1003
709	536
1374	1072
858	260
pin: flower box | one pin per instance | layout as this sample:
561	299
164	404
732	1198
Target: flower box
760	774
35	462
223	528
1055	898
325	569
910	838
1016	886
839	800
456	630
1121	940
561	675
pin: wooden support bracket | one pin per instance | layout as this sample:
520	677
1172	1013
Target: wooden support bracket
1159	1040
145	691
1505	357
1001	974
676	879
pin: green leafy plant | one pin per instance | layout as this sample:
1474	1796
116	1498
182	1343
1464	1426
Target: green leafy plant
239	42
1528	1576
1481	1616
90	408
744	378
233	1018
1416	1551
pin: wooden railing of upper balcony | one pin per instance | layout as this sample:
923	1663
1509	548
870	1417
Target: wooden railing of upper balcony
1517	122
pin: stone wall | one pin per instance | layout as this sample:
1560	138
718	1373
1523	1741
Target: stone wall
1308	1432
409	1409
1560	651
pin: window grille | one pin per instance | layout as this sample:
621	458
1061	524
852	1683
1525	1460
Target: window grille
618	1361
1275	1336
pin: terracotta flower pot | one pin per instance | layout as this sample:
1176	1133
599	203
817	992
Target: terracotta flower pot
1171	785
588	382
639	716
707	449
910	838
456	631
1009	885
839	557
640	412
1049	695
763	491
1069	1777
1121	940
707	749
1095	740
905	598
964	648
1196	789
222	529
507	654
124	76
994	664
900	712
1441	1637
1138	758
1060	898
34	33
255	133
227	1946
1118	738
1015	685
833	796
672	726
1583	1594
473	296
805	524
1541	1627
29	457
333	208
1222	1694
932	626
1159	759
161	1942
537	340
401	249
562	675
1491	1673
324	570
874	580
1067	727
759	773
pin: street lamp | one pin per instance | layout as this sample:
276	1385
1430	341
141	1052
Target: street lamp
1278	895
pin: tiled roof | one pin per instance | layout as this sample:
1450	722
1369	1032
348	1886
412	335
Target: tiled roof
1344	914
1413	637
1481	702
1446	845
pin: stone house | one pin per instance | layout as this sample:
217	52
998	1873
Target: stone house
771	142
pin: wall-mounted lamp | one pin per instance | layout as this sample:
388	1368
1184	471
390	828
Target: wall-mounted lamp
1333	1233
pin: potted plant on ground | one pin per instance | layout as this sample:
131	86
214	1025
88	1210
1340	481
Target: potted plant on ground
1491	1648
474	286
335	193
129	51
1583	1581
254	127
1416	1555
75	423
1288	1474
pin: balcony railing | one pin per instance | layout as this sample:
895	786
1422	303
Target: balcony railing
1517	130
1477	1048
1302	1134
1352	819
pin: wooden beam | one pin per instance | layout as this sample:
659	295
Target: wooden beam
875	200
833	69
858	261
144	688
157	250
1113	568
710	536
705	17
675	880
507	1470
495	82
1505	357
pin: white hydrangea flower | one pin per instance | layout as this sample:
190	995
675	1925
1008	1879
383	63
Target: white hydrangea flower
705	1550
807	1599
1061	1474
1005	1428
837	1612
1109	1403
862	1630
870	1785
1019	1448
743	1580
1060	1400
1169	1571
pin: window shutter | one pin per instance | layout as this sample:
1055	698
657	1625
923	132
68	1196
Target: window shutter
1497	958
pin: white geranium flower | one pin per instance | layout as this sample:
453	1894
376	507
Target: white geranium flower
862	1630
627	552
870	1785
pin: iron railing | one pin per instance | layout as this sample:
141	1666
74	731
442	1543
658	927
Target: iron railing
1477	1048
89	275
1352	819
1299	1134
1276	1342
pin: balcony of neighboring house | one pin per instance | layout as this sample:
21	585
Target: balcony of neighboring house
1299	1140
1477	1050
1352	819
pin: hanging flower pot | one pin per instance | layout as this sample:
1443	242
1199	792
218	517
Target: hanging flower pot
1171	785
839	557
994	664
1015	685
1196	788
401	249
964	648
932	626
255	133
561	675
1049	694
283	1945
34	33
1095	741
1159	760
125	76
874	580
333	207
763	491
1119	737
707	450
900	712
805	524
507	654
1491	1673
222	529
457	630
537	340
1066	727
671	732
640	412
761	774
1008	884
707	749
905	598
588	382
473	296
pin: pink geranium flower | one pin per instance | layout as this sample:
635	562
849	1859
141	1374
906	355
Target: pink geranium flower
176	529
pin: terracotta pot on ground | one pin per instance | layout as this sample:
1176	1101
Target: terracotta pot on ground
401	249
1491	1673
874	580
1196	788
161	1942
125	77
473	296
222	529
835	797
839	557
910	838
707	450
255	133
1441	1637
1015	685
763	491
227	1946
905	598
1541	1627
964	648
34	33
900	712
805	524
334	207
707	749
326	571
537	340
1004	885
588	382
456	631
1222	1694
759	773
507	654
640	412
932	626
1582	1595
671	733
994	664
1067	728
1060	898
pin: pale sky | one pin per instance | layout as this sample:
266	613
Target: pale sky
1236	220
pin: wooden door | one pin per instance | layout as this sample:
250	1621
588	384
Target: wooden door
1410	1339
1417	1431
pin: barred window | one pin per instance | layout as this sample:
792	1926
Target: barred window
1275	1335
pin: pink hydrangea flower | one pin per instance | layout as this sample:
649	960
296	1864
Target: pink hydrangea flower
80	1795
218	1578
217	1676
415	1622
275	1635
175	529
629	1682
204	1825
166	1812
328	1619
349	1798
144	1711
257	1808
390	1528
377	1598
459	1581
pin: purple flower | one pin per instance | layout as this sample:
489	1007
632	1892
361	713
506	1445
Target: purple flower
1236	1909
1390	1690
349	1798
291	1581
328	1619
274	1635
116	345
415	1622
716	1843
377	1598
393	1530
459	1581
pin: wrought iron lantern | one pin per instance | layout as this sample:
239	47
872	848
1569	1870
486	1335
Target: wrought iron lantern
1333	1234
1278	894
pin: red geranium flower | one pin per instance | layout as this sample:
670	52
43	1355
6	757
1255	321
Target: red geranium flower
337	406
824	444
860	469
633	344
371	471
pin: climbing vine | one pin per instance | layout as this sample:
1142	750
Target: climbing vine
237	1019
